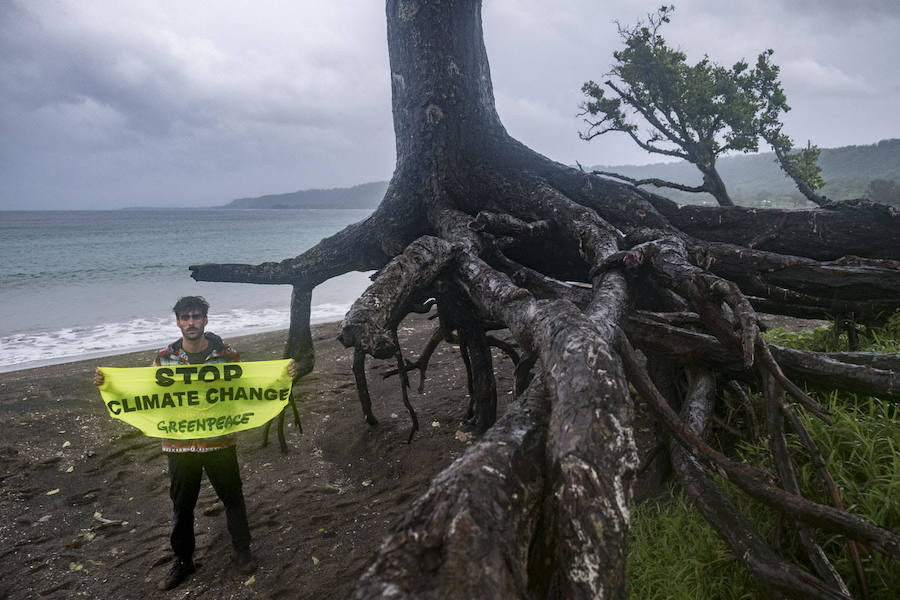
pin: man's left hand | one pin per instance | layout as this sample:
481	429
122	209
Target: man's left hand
292	369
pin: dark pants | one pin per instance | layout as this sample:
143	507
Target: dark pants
185	472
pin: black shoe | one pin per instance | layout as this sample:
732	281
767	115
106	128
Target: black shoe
177	573
243	561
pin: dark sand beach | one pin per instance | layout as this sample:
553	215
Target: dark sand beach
84	506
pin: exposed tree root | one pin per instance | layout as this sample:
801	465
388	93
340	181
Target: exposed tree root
772	573
578	268
471	532
754	481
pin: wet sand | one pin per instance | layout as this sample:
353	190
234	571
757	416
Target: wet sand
84	507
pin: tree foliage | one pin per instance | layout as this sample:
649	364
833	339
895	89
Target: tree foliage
695	112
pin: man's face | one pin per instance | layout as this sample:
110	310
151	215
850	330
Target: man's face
192	324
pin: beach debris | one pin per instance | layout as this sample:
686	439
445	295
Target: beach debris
85	537
367	482
463	436
70	469
52	492
104	521
315	560
75	566
435	423
251	581
45	518
66	444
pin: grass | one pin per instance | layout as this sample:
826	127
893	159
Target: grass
675	554
829	338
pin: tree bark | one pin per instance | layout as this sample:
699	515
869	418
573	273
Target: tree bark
501	236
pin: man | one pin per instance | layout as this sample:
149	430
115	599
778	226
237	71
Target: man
189	458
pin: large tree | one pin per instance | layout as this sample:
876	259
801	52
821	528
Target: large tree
600	284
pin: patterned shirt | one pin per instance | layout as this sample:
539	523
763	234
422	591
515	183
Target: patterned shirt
174	354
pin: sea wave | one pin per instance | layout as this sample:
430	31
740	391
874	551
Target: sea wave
32	349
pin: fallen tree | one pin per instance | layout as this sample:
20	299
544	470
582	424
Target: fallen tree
600	285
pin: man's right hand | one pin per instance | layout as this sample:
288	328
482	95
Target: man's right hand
99	377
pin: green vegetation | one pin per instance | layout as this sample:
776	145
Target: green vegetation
675	554
756	180
365	195
884	191
830	338
696	112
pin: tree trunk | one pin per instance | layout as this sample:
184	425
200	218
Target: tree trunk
577	268
712	183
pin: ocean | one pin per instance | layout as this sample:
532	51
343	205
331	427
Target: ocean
81	284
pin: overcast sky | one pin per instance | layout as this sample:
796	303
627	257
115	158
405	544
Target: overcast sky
105	104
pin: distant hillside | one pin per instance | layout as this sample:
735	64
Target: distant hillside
752	180
756	180
366	195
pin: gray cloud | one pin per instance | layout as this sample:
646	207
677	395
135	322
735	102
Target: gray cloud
113	103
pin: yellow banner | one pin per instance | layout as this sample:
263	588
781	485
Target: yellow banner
197	401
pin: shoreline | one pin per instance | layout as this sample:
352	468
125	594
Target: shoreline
84	498
139	351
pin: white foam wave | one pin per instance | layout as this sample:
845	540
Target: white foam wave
30	349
